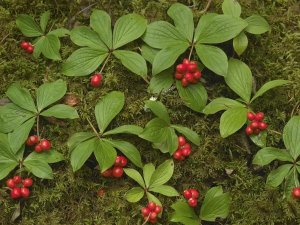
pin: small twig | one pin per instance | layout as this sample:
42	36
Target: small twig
4	37
105	62
275	132
86	8
94	129
38	126
147	219
191	52
206	7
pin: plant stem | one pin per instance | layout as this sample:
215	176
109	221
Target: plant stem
147	219
105	62
38	126
206	7
94	129
192	48
276	132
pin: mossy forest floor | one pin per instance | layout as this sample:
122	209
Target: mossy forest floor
72	198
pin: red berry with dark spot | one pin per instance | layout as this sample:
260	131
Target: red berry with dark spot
296	192
117	171
189	77
27	182
10	183
192	202
178	76
195	193
38	148
107	173
96	80
145	211
180	68
24	45
192	67
151	206
254	125
186	151
249	130
45	144
251	116
15	193
25	192
262	125
184	82
29	49
187	194
157	209
259	116
197	75
17	179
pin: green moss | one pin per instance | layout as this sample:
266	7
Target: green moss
72	198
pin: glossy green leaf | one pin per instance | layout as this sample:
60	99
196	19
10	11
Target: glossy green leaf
44	20
291	136
148	171
184	214
188	133
260	139
276	177
38	47
169	142
162	174
161	82
257	25
38	168
165	190
266	155
154	130
152	198
149	53
158	109
232	7
28	26
220	104
105	154
50	47
6	166
135	194
203	21
125	129
291	181
61	111
240	43
51	156
135	175
77	138
60	32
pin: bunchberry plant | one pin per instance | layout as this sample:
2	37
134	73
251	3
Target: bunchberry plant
215	205
289	170
239	79
256	25
99	142
99	42
45	42
162	133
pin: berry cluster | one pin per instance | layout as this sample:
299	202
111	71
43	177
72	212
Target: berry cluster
188	73
296	192
151	211
19	187
28	47
117	170
96	80
39	146
192	196
256	125
183	150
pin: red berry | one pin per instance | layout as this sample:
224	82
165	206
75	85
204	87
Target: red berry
45	144
186	145
157	209
187	194
145	211
250	116
262	125
259	116
177	155
184	82
192	67
27	182
24	44
29	142
186	62
192	202
249	130
180	68
254	125
153	215
15	193
151	206
153	221
96	80
25	192
10	183
296	192
178	76
32	140
107	173
17	179
121	161
256	131
38	148
195	193
29	49
117	171
189	77
186	151
181	140
197	75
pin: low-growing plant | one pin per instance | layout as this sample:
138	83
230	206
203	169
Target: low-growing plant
289	169
83	144
46	42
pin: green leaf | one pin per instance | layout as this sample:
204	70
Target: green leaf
101	23
108	108
132	61
105	154
149	53
135	175
268	86
240	43
28	26
125	129
44	20
203	21
213	58
232	120
220	104
184	214
127	29
6	166
193	96
291	136
60	32
260	139
51	92
232	7
291	181
161	34
165	190
269	154
158	109
18	137
166	57
38	47
135	194
183	19
161	82
61	111
215	205
239	78
154	130
162	174
129	150
8	159
220	28
188	133
83	62
85	37
12	116
81	153
148	171
169	142
152	198
38	168
21	97
50	47
51	156
77	138
257	25
276	177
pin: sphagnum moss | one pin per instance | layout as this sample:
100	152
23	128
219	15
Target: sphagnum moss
72	199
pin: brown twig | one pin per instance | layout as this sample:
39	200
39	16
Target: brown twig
206	7
147	219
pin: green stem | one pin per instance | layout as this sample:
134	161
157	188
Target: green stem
105	62
94	129
192	48
295	177
38	126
